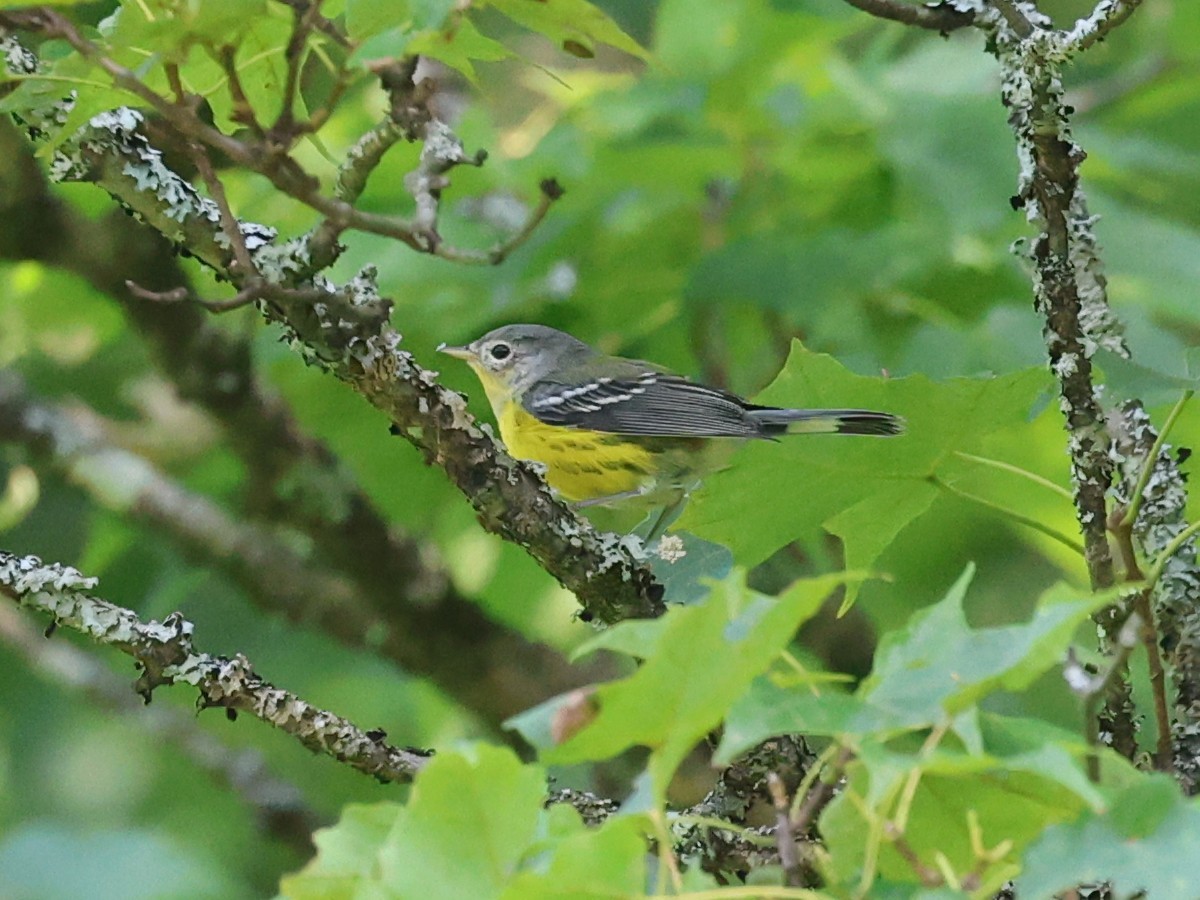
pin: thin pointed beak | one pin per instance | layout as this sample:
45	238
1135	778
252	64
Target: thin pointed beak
458	352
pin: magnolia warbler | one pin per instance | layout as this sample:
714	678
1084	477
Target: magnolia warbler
609	429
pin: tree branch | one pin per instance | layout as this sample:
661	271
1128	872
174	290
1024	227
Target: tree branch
166	655
1152	473
741	785
277	805
713	831
1069	290
1095	690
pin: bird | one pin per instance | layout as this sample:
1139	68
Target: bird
610	430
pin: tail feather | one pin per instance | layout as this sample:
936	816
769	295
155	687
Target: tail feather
775	422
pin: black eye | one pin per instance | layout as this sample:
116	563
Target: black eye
501	351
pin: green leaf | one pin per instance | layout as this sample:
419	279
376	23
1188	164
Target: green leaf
864	489
473	827
868	527
222	21
466	827
1146	842
459	48
469	820
768	709
931	672
705	657
594	864
347	859
575	25
688	580
637	638
367	18
953	788
938	665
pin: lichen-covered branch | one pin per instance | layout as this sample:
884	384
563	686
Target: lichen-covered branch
1069	287
1107	15
166	655
489	669
696	831
1068	284
277	805
345	331
1160	520
743	784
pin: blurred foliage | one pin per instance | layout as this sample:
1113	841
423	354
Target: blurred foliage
762	172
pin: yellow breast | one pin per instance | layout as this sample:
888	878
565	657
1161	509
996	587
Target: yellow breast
580	465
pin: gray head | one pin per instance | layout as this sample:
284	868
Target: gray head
521	355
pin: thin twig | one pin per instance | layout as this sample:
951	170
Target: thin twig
321	115
242	110
279	168
936	17
822	791
1016	19
985	857
1094	689
1027	521
1164	749
551	191
785	838
247	273
929	876
1107	15
327	27
302	18
244	297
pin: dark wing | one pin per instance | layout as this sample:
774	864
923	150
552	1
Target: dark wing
649	404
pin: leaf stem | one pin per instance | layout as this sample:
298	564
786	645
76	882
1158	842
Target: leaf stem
1164	749
1017	470
1009	514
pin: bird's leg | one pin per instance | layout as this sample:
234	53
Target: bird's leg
666	516
608	498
